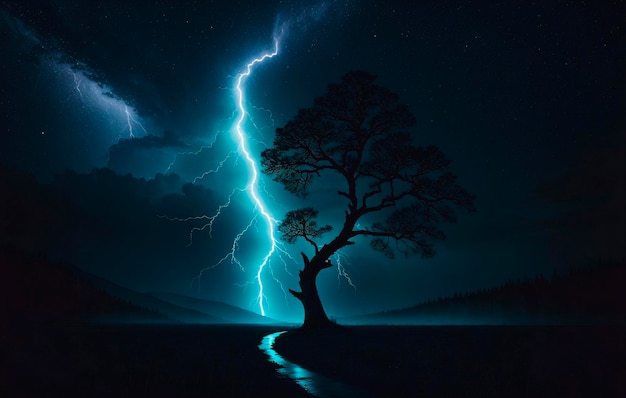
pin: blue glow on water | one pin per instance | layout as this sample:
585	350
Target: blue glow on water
314	383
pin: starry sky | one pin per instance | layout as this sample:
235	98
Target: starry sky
117	138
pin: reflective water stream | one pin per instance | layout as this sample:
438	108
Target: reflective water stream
314	383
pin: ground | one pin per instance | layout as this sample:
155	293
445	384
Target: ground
90	360
186	360
467	361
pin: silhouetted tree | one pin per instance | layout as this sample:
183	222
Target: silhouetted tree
359	131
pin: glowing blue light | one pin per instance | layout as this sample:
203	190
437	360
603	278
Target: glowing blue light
253	183
98	100
242	140
340	259
314	383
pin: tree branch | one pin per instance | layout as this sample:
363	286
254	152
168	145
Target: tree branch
359	130
311	242
297	295
305	259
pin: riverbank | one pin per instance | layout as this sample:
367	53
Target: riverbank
466	361
104	360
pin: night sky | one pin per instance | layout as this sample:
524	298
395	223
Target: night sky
526	98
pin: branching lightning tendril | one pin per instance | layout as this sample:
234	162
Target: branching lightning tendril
130	120
340	259
253	185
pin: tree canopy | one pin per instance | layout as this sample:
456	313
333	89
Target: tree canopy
360	131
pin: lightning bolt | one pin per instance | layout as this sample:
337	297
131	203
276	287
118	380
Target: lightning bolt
130	120
208	224
341	269
77	83
255	188
253	185
220	164
98	98
208	146
230	255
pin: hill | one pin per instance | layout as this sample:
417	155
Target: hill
172	311
34	288
179	307
592	295
227	312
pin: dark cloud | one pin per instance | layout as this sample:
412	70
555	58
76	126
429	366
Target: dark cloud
109	224
140	155
165	60
150	141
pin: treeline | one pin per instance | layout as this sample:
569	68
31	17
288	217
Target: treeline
584	295
34	288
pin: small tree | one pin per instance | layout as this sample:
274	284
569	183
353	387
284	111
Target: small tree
359	131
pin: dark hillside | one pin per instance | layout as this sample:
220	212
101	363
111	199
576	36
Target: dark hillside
33	288
593	295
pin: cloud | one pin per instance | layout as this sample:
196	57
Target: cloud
147	55
109	224
149	141
142	156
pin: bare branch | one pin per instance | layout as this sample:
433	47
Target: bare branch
297	295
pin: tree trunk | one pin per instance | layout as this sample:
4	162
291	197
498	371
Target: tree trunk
314	314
